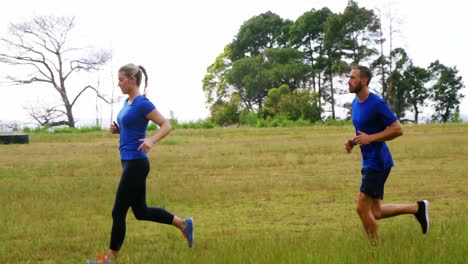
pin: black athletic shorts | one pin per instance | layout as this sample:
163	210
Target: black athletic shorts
373	182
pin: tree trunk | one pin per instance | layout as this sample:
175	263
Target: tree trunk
320	93
390	64
332	95
68	108
389	94
416	114
312	64
382	67
446	115
71	120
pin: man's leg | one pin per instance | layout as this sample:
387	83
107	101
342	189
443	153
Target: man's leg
381	211
364	207
419	210
370	210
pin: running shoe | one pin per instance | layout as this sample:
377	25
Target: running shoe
187	232
423	215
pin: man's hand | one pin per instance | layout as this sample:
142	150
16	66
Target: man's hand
362	138
349	146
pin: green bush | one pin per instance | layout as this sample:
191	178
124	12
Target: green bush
337	122
261	123
301	123
292	104
152	127
62	130
191	124
198	124
225	113
75	130
455	118
248	119
174	123
280	121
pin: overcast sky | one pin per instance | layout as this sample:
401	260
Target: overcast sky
177	40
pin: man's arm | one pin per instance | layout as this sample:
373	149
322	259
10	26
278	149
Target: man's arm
391	132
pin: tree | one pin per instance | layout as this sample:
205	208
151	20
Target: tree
267	30
286	66
247	78
244	53
252	77
40	47
397	96
383	64
214	83
46	115
361	32
349	39
380	65
416	93
446	91
307	35
334	63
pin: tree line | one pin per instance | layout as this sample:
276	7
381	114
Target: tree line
273	68
278	67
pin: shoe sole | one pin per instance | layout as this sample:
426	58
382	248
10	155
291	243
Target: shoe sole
95	262
426	212
192	233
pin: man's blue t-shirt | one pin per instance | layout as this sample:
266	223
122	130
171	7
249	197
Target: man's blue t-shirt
132	123
372	116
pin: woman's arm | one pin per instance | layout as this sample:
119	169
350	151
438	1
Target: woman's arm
164	129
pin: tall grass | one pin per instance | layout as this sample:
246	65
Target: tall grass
258	195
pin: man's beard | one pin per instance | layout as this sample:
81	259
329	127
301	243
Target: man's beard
357	89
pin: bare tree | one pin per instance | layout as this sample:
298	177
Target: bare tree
9	127
393	22
40	46
46	115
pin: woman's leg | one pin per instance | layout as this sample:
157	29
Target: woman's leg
123	200
155	214
139	206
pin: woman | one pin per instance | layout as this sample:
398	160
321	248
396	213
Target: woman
134	146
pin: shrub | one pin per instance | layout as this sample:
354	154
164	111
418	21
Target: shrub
337	122
248	119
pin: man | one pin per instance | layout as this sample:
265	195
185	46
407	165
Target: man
375	123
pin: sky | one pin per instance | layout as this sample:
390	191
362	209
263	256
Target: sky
177	40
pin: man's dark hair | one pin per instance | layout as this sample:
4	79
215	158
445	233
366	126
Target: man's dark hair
364	72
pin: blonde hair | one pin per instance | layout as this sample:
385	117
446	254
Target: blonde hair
133	70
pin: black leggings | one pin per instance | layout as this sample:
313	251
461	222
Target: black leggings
132	193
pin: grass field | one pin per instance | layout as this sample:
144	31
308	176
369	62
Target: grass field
271	195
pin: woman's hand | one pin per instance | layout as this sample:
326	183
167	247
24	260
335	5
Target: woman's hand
146	144
114	128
